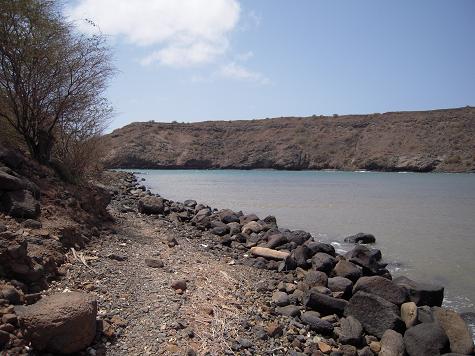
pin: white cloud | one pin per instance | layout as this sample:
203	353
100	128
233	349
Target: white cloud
180	32
238	72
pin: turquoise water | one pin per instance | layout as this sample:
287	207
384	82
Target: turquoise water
424	223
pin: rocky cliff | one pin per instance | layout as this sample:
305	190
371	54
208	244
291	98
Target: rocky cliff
438	140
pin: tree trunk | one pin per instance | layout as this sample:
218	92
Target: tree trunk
41	149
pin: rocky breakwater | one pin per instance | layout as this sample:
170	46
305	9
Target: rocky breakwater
323	302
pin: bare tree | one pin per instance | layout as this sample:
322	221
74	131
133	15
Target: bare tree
52	78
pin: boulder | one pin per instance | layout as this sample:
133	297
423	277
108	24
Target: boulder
190	203
368	259
382	287
360	238
235	229
288	310
320	247
375	313
426	339
298	236
271	221
348	270
243	220
315	278
324	304
228	216
269	253
61	323
151	205
323	262
422	293
301	256
312	319
220	230
392	344
32	224
341	284
276	240
21	204
252	226
9	181
425	314
13	295
350	331
409	314
456	329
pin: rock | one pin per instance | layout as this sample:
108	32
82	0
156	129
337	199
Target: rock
11	294
368	259
426	339
3	228
365	351
274	329
151	205
220	230
341	284
298	236
179	285
271	221
280	298
312	319
323	262
32	224
315	278
324	347
360	238
9	182
300	257
9	319
324	304
350	331
243	220
425	315
374	313
456	329
154	263
375	346
251	227
382	287
276	240
190	203
348	270
422	293
21	204
228	216
245	343
316	247
4	338
235	229
60	323
392	344
117	257
409	314
288	310
269	253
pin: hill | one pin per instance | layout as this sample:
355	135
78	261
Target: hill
423	141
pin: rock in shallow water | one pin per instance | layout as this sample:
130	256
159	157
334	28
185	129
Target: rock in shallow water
422	293
361	238
61	323
382	287
457	331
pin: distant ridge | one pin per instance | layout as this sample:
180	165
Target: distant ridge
421	141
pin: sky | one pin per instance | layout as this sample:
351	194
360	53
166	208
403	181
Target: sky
198	60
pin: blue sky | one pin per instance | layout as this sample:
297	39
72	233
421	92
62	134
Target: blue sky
196	60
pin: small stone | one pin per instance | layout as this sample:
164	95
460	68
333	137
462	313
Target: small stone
274	329
32	224
11	294
179	284
245	343
375	346
280	298
324	347
116	320
171	241
116	257
9	328
154	263
288	310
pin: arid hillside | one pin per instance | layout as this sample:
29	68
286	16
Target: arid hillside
439	140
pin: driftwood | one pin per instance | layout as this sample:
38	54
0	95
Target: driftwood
269	253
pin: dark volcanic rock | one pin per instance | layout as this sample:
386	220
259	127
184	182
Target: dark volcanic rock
422	293
323	262
350	331
62	323
456	330
154	263
426	339
288	310
21	204
316	247
361	238
297	236
348	270
392	344
301	256
316	278
341	284
382	287
374	313
276	240
318	325
324	304
151	205
9	181
368	259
